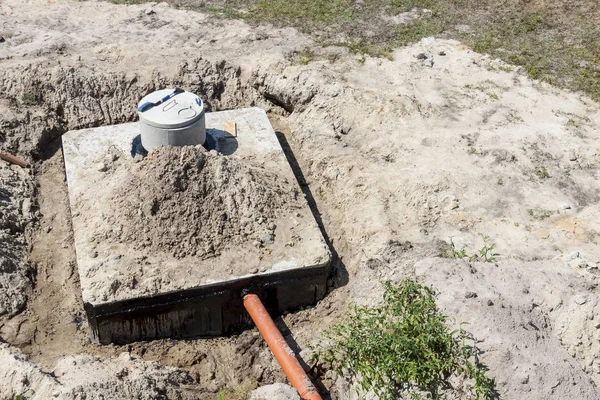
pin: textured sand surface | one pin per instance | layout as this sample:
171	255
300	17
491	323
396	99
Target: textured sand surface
400	157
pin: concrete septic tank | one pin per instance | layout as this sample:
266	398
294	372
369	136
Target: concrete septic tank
134	293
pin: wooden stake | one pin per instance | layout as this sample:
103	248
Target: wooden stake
230	127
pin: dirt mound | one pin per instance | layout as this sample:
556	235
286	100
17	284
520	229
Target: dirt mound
86	377
40	103
190	202
16	193
534	323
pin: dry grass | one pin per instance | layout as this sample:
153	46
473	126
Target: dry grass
556	41
241	392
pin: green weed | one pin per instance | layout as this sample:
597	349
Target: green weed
485	254
539	213
305	56
302	12
542	173
453	252
404	347
407	5
241	392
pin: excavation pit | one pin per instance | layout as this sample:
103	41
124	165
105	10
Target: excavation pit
166	243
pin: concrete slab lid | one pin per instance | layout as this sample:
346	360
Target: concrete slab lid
115	272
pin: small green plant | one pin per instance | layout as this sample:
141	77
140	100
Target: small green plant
359	47
542	173
307	12
539	213
305	56
531	22
492	95
533	71
407	5
404	347
241	392
486	253
573	123
453	252
484	43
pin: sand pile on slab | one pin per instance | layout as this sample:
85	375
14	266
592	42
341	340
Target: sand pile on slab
190	202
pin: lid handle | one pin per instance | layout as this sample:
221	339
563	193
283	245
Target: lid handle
169	105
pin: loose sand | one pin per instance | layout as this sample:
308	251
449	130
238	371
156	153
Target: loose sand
190	202
399	157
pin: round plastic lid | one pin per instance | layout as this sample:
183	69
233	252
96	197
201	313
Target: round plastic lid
180	110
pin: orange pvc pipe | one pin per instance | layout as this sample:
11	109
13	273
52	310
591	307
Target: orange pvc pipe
13	159
280	349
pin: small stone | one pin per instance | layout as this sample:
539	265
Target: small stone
93	254
421	56
524	380
266	238
276	391
149	11
573	255
490	303
591	267
101	167
578	263
272	226
580	300
566	207
470	295
26	206
254	271
2	40
442	53
428	63
113	157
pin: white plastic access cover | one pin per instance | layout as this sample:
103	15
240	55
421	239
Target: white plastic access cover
180	110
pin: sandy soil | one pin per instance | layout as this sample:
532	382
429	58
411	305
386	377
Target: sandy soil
398	157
